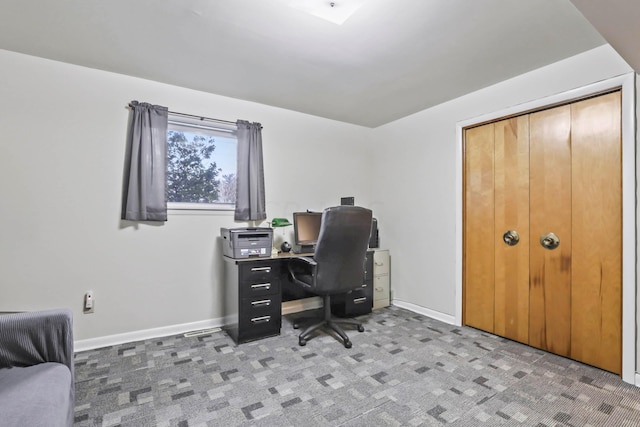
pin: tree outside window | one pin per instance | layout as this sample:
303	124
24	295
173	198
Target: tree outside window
201	167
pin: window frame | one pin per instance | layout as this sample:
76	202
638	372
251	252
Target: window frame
204	126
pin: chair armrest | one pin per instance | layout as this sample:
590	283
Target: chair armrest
303	267
304	260
31	338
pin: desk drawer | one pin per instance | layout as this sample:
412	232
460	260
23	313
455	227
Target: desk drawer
251	307
359	298
261	288
258	271
354	303
259	327
259	318
259	279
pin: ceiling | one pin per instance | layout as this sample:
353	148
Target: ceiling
389	59
617	21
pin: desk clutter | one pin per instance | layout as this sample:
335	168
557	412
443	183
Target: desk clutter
246	242
252	242
256	277
253	294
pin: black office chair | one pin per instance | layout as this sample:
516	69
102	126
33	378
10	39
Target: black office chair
337	265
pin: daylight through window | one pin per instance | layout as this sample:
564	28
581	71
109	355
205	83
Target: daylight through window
201	165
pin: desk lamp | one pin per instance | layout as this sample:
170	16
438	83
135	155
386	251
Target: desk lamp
282	222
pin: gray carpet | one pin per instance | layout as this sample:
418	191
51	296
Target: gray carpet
404	370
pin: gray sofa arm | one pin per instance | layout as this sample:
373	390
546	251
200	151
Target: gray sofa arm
35	337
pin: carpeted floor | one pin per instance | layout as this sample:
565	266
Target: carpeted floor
404	370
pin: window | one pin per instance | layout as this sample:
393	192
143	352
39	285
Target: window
201	164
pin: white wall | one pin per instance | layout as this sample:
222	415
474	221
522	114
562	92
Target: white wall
62	139
63	133
415	195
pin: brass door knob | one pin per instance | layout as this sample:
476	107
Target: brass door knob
549	241
511	237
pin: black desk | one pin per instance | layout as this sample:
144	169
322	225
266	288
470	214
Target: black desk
256	287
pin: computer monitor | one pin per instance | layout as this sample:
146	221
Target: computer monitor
306	228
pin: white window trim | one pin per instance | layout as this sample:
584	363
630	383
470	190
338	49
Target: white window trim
200	206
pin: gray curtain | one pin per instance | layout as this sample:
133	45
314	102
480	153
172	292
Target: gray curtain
145	175
250	200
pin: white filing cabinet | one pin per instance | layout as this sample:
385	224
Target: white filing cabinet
380	278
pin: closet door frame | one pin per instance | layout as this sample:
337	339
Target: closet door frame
626	83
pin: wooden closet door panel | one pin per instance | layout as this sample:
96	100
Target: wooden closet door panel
596	315
550	210
512	213
478	228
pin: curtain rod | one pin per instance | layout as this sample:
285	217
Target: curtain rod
202	126
208	119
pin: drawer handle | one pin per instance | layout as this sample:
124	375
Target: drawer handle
380	289
359	300
267	269
261	286
379	263
261	303
262	319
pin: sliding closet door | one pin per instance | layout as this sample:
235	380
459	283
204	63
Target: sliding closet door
512	228
479	233
550	210
596	315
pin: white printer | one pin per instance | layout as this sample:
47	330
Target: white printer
246	242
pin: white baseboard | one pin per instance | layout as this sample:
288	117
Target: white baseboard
91	343
288	307
446	318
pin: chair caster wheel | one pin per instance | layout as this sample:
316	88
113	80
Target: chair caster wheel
296	326
360	328
302	342
347	344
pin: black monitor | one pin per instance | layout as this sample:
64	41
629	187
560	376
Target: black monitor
306	227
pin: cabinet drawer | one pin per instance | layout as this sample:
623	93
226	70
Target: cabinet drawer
270	286
257	271
381	303
257	307
259	279
381	262
357	297
357	302
380	288
358	306
260	324
353	303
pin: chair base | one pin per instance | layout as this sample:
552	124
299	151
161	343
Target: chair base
328	322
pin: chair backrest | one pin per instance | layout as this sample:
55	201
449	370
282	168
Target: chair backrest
342	248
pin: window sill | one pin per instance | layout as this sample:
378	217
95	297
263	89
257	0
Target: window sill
199	208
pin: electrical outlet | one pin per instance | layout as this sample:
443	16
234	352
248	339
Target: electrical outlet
88	302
